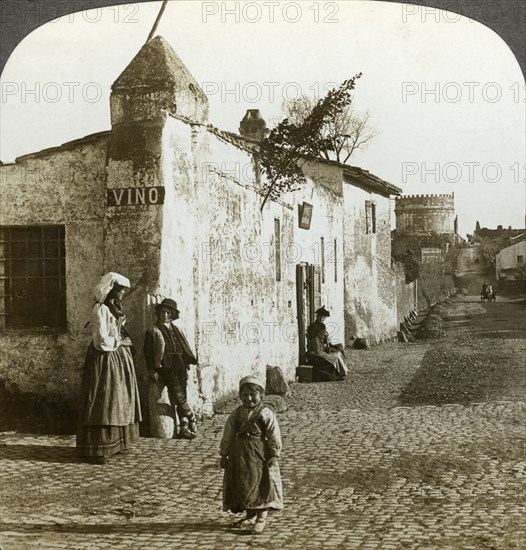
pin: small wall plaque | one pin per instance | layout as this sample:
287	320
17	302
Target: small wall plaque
305	215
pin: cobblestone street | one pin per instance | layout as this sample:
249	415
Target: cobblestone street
361	469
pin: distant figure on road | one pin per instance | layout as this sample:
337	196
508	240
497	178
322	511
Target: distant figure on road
250	448
168	358
110	411
484	292
493	294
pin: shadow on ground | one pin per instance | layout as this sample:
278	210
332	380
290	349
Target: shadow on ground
39	453
117	529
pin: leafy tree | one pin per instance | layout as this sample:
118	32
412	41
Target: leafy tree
290	144
346	132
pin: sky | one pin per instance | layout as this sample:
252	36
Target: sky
445	93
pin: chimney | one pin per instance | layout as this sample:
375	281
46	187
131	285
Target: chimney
253	125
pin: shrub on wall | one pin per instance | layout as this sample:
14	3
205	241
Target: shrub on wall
411	267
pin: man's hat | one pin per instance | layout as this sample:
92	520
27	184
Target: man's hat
170	304
323	312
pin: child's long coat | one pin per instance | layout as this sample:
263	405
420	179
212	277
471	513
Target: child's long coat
250	438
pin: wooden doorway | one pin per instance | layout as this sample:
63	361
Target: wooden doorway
308	297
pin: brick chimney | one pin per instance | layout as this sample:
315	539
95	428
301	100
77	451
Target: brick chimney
253	125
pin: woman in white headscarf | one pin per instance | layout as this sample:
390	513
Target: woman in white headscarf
110	410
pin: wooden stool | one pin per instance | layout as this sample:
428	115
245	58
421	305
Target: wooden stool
304	373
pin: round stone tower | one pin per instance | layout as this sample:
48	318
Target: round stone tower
425	214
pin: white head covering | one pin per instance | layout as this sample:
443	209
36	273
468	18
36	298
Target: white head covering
251	379
106	284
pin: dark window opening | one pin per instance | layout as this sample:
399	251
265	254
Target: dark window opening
322	244
370	217
277	248
335	261
32	277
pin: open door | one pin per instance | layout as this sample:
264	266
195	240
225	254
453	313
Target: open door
308	297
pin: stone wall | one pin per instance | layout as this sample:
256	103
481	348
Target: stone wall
406	295
434	284
62	186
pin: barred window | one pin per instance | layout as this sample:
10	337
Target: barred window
32	277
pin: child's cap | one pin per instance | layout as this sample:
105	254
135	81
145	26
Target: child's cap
251	379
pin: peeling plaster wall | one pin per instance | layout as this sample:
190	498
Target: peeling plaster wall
370	291
326	197
244	315
218	259
64	187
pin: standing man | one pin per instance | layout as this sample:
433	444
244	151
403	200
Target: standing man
168	358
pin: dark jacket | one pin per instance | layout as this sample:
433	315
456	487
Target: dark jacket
160	349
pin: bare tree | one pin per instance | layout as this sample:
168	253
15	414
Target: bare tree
347	131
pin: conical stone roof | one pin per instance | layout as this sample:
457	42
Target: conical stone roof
156	79
157	67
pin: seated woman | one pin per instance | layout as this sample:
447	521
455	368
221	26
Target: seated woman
327	359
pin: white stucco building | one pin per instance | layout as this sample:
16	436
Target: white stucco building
174	204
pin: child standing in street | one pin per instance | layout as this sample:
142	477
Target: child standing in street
168	358
250	448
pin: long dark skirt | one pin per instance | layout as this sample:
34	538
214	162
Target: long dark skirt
105	440
325	367
110	410
249	483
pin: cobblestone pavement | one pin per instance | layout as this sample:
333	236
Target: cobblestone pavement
359	472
